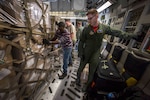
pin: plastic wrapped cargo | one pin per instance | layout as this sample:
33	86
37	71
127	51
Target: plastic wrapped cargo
11	12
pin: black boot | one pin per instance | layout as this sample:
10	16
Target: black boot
63	76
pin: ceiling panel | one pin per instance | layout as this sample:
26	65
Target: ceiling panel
61	5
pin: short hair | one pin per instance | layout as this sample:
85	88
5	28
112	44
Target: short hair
92	11
79	22
61	24
67	20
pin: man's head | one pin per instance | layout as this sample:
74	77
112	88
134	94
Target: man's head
92	11
79	23
61	25
68	22
92	16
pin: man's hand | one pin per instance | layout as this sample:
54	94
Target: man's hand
81	56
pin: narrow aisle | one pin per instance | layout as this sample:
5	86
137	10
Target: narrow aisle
64	89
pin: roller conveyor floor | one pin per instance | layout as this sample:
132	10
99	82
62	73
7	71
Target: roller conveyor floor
66	88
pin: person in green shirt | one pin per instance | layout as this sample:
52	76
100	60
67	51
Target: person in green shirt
79	29
90	44
79	32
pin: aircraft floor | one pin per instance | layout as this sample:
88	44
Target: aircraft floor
64	89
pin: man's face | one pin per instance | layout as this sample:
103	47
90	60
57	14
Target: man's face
60	28
67	23
78	24
92	19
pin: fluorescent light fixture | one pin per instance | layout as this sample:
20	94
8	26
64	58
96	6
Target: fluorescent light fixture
104	6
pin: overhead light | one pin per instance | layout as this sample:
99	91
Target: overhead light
104	6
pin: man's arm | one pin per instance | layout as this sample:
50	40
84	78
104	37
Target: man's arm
55	36
47	41
119	33
81	43
73	33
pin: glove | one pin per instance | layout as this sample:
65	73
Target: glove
45	41
82	57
